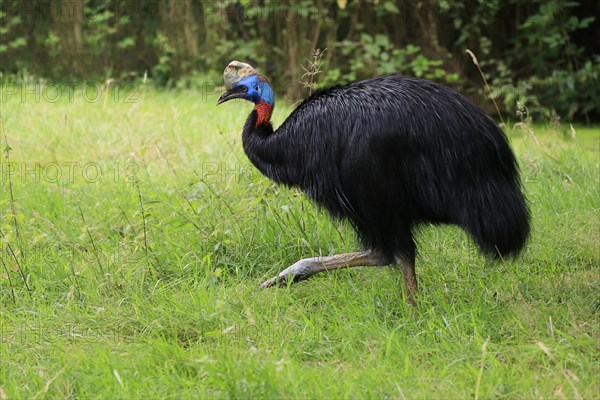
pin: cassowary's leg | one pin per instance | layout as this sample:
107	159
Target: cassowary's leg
307	267
409	278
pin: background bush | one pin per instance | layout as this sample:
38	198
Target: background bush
542	53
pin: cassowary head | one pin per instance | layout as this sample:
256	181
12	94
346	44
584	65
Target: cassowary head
254	88
243	82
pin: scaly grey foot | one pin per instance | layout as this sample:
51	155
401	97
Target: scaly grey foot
299	271
308	267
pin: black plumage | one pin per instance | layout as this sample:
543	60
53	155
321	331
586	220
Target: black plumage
391	153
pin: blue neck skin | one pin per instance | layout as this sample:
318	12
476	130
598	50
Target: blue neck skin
258	89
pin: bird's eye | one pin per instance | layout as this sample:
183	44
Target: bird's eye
244	89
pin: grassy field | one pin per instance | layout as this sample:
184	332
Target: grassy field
135	236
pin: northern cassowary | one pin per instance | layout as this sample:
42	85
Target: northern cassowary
388	154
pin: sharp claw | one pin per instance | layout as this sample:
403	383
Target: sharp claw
295	273
273	281
268	283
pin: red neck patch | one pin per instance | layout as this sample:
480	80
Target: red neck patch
264	111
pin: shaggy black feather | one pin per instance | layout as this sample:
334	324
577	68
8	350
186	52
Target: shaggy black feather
394	152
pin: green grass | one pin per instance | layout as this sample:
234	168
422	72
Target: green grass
159	298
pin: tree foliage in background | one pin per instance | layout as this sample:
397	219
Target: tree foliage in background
542	53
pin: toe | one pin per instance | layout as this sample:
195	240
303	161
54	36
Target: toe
272	282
